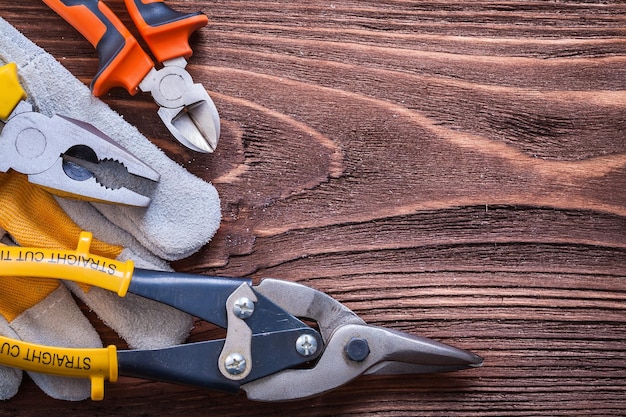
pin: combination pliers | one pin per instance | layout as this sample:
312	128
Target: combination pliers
269	351
69	157
185	108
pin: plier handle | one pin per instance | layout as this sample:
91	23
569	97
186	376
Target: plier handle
268	352
67	156
185	108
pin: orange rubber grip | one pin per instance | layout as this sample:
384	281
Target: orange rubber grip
122	61
166	31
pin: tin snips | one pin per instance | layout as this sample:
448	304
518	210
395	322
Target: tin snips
69	157
269	351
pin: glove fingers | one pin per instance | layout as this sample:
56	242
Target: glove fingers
87	217
62	388
183	217
142	323
57	321
10	378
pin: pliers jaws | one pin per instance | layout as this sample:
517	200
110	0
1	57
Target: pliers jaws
186	108
72	158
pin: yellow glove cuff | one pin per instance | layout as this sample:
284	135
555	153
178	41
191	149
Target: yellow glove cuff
34	219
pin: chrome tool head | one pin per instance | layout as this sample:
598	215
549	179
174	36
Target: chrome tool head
352	348
73	158
185	108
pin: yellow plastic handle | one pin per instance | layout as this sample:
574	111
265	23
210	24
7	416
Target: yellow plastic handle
78	265
11	92
97	364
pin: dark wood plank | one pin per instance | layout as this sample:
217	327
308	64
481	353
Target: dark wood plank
453	170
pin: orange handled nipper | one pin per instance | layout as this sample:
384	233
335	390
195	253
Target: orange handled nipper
186	108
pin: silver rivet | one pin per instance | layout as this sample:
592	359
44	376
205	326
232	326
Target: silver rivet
306	345
243	307
235	364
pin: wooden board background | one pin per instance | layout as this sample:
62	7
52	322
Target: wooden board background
456	170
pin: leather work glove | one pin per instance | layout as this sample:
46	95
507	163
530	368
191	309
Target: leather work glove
183	216
43	310
181	203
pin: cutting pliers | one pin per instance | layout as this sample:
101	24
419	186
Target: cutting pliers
186	108
67	156
269	351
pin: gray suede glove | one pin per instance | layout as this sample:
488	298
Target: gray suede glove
183	216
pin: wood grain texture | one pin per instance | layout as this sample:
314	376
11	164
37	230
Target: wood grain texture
453	170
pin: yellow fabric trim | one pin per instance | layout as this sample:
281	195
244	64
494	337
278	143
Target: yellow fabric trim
33	218
18	294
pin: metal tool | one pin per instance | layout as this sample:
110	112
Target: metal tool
68	156
185	108
268	352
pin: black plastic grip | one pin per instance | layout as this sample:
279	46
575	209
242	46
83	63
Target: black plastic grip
122	62
166	31
159	13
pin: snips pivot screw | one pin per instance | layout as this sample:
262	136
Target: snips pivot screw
235	364
243	307
306	345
